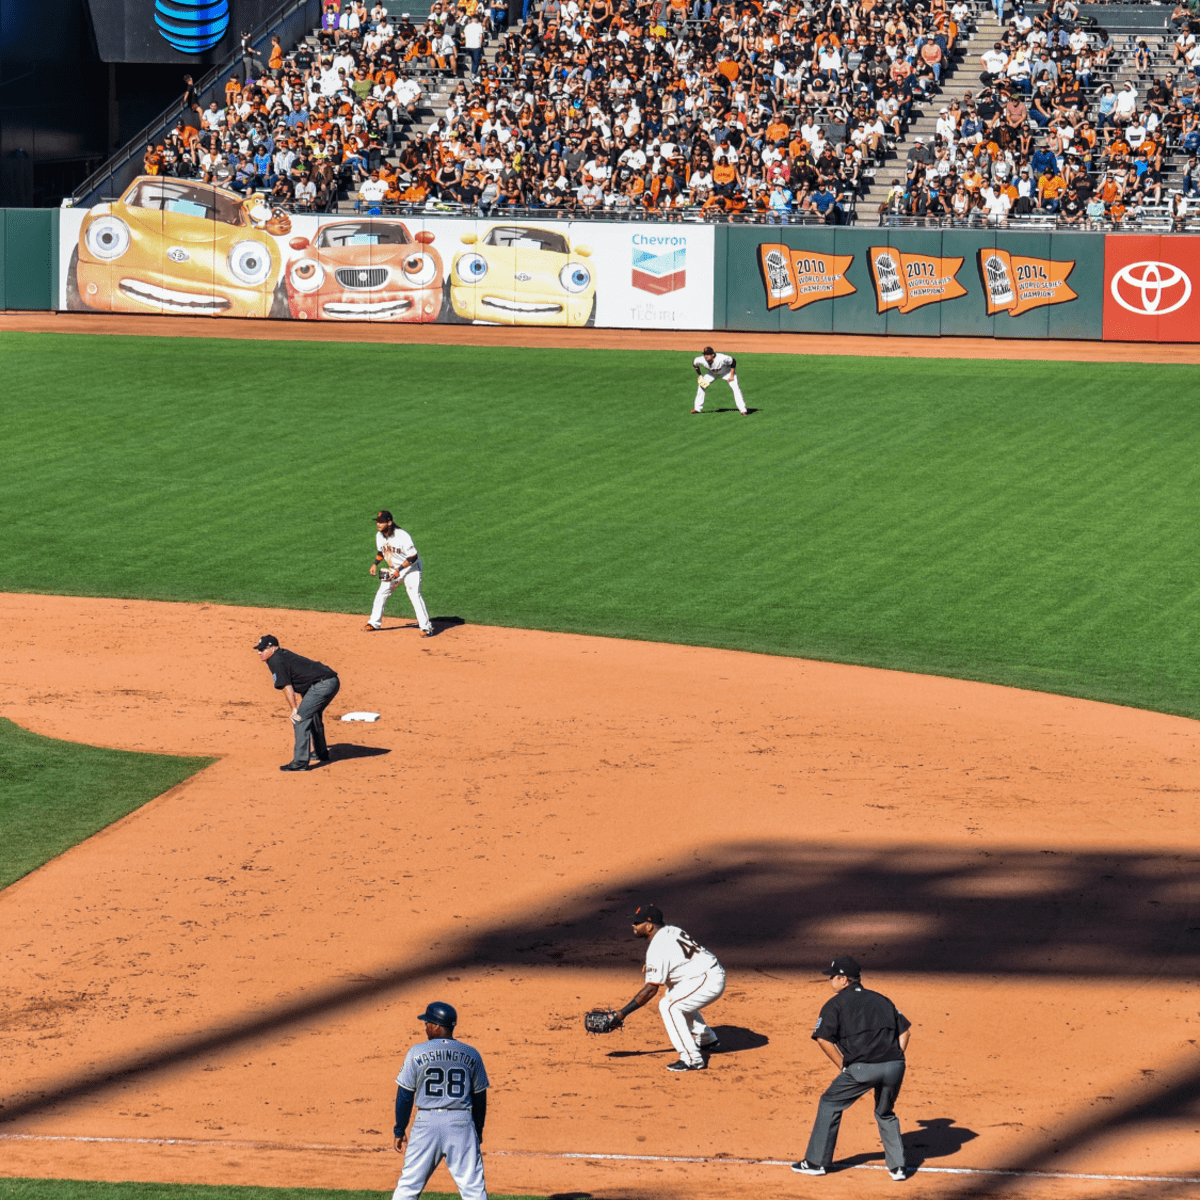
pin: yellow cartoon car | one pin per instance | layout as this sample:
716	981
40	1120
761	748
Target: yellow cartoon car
518	275
177	246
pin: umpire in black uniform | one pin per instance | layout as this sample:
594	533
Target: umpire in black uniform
315	684
864	1036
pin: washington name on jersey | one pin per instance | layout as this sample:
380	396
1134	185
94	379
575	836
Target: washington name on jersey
443	1074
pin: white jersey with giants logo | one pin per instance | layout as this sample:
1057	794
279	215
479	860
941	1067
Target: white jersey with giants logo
396	548
722	365
673	956
443	1073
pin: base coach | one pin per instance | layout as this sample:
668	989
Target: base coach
864	1036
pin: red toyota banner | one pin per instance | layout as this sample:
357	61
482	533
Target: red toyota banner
1151	288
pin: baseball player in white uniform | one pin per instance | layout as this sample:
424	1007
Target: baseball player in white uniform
709	366
444	1080
395	547
693	978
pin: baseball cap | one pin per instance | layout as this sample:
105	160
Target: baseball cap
843	965
383	515
267	639
648	912
706	350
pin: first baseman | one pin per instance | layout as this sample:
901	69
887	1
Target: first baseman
395	547
445	1081
864	1035
694	979
709	366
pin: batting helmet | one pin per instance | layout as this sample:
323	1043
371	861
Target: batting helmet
441	1014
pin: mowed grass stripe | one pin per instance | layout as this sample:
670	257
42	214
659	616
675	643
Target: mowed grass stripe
1026	523
54	794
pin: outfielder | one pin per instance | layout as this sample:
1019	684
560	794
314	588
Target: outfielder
395	547
445	1081
709	366
694	979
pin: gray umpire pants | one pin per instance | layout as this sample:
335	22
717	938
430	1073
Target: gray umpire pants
311	726
855	1081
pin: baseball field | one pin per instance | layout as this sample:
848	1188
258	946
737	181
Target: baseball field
903	665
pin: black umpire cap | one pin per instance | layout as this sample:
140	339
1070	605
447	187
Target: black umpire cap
648	912
267	639
843	965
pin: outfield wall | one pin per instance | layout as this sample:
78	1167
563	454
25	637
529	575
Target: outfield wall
242	259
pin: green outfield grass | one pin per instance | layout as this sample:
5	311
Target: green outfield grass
54	794
80	1189
1032	524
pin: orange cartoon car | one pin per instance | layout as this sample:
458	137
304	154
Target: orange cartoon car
365	270
178	246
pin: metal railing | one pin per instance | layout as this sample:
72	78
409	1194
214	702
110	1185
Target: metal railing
1154	219
496	212
292	21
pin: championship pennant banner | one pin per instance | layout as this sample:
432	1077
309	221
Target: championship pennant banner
907	282
1014	284
800	277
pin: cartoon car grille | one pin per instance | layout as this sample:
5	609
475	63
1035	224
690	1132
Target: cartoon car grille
361	278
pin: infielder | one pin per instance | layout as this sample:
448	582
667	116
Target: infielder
709	366
395	547
694	979
445	1080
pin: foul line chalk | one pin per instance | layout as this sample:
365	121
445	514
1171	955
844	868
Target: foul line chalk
655	1158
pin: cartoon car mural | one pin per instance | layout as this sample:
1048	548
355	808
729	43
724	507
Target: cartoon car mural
365	270
518	275
177	246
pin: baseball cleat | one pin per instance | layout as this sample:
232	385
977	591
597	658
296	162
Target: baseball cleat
680	1065
899	1174
709	1047
696	412
368	628
294	766
427	633
804	1167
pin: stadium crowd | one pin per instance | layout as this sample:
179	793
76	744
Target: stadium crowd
1048	132
767	108
654	105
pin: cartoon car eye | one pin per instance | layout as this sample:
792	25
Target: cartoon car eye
307	275
250	262
472	268
107	238
419	269
575	277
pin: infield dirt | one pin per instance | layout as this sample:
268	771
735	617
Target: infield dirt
224	982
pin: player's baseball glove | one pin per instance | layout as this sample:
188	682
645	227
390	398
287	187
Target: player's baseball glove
388	573
600	1020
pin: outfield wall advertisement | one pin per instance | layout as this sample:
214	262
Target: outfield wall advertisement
175	247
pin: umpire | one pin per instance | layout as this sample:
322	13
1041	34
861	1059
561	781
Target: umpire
315	683
864	1036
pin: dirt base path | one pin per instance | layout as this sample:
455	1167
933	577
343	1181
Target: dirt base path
600	339
220	987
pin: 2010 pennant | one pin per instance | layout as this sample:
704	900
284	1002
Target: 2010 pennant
1014	284
910	281
799	277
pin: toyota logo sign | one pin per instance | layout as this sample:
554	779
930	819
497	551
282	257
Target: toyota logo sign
1151	289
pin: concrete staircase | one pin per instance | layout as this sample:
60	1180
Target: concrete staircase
963	76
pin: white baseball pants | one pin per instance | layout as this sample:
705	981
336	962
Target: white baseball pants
732	380
442	1133
412	581
680	1009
